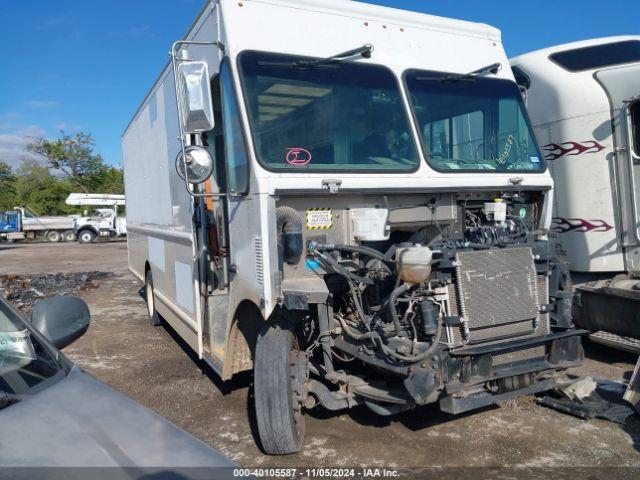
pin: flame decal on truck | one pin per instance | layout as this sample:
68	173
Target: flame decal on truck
564	225
566	149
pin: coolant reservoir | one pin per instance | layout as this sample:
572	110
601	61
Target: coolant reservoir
414	264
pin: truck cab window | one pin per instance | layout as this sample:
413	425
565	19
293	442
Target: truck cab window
634	114
235	153
335	116
476	124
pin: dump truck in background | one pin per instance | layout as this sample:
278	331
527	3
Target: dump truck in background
359	217
584	102
103	222
22	223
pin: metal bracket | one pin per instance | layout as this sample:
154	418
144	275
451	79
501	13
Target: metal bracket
332	184
173	53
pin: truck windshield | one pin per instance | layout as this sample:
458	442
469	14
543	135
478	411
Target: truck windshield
472	123
329	116
25	362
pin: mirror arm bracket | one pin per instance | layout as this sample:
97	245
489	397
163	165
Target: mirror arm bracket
173	53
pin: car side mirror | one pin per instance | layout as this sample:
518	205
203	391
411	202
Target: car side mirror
62	319
195	97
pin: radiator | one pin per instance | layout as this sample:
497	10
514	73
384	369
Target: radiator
498	293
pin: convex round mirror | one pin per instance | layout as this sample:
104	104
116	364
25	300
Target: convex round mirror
198	164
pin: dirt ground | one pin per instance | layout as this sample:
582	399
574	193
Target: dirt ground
156	368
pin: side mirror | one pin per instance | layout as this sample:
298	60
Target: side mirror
61	319
195	97
197	166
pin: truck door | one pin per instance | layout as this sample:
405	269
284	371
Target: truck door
622	85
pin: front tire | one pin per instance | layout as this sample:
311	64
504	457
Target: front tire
277	372
154	318
86	236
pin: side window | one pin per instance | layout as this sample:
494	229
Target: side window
634	113
235	152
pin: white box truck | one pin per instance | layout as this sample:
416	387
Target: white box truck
584	102
349	201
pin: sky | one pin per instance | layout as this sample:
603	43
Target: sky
86	65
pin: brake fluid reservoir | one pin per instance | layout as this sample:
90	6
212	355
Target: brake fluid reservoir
496	211
414	264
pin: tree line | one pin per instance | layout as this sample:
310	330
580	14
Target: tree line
52	169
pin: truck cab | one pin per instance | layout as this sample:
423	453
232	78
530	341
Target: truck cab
360	218
10	225
584	102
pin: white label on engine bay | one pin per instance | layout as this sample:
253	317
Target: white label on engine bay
319	218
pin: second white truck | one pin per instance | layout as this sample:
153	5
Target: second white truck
103	222
584	102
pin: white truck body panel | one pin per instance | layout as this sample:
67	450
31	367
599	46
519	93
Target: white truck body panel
576	119
161	231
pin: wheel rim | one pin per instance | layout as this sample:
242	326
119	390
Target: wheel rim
54	236
150	304
86	237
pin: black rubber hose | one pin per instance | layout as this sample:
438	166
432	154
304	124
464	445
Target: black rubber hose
337	268
369	252
289	226
392	305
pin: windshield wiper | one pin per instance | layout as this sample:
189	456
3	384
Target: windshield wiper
332	61
492	69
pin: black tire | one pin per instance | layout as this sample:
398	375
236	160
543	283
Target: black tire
154	318
86	236
68	236
279	416
53	236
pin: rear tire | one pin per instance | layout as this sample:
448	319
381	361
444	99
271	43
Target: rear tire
277	371
86	236
53	236
69	236
154	318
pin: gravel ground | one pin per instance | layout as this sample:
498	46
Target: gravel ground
156	368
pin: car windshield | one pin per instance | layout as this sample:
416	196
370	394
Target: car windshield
472	123
25	362
328	116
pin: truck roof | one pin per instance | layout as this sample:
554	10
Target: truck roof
392	15
546	52
349	9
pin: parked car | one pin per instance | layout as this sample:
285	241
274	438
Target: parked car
52	414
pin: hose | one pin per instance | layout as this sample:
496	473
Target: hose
289	224
415	358
369	252
392	305
337	268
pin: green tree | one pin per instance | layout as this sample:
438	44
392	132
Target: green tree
7	187
55	168
38	189
73	157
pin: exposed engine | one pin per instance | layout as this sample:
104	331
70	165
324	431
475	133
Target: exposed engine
399	300
420	301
